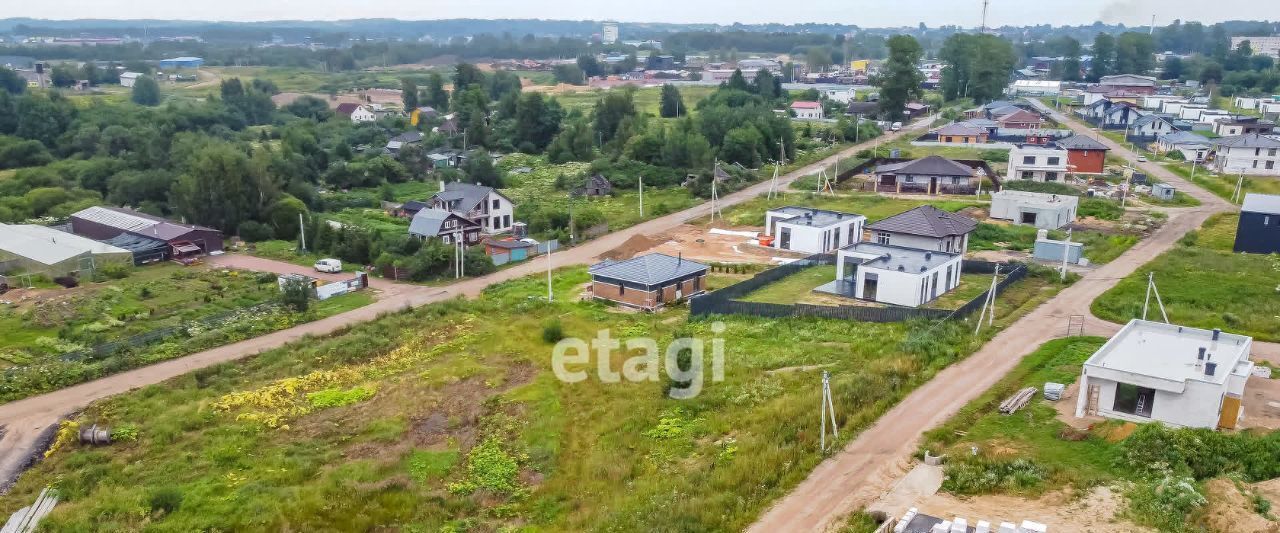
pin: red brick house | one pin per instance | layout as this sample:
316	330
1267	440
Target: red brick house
1084	154
648	281
1020	120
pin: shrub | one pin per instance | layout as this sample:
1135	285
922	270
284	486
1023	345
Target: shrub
489	467
124	433
979	476
1100	209
337	397
253	231
165	500
996	156
115	271
552	331
1165	503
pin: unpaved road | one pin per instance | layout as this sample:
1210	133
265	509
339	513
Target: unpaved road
869	464
26	418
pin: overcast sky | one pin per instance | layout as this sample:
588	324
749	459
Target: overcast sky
866	13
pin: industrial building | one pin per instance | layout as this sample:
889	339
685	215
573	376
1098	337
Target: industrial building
814	231
1157	372
182	62
183	240
1048	211
43	250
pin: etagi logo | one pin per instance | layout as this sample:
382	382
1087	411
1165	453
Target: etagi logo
682	360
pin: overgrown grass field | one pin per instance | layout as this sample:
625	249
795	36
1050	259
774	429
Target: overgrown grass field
449	418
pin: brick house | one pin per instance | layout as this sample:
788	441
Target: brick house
1084	155
648	281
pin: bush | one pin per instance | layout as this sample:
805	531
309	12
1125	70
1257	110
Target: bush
115	270
980	476
552	331
252	231
1100	209
1165	503
165	500
996	156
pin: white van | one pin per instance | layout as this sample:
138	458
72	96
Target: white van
331	266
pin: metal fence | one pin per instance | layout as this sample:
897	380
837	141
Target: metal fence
725	301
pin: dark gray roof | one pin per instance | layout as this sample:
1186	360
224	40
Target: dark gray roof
649	269
960	128
1152	117
982	123
408	137
1081	142
427	222
934	165
899	258
998	104
862	108
1261	203
136	243
468	195
815	217
1248	140
927	221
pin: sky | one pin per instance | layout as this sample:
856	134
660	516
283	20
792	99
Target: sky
865	13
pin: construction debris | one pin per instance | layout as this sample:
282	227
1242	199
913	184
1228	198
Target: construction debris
1017	401
1053	391
27	519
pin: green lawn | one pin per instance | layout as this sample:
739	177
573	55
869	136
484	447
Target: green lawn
971	286
287	251
647	99
1225	185
793	288
872	206
1204	285
449	418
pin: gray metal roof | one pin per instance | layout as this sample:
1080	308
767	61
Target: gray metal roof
960	128
1183	138
934	165
428	222
898	258
1081	142
1152	117
649	269
468	195
1248	140
135	222
809	216
1261	203
927	221
37	249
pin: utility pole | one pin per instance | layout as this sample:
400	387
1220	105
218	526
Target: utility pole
984	16
1235	196
989	306
1151	288
828	411
642	197
715	195
549	294
302	228
782	160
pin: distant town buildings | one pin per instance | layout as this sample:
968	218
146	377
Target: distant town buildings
609	33
1269	46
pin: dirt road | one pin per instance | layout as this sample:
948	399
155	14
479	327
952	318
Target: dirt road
869	464
26	418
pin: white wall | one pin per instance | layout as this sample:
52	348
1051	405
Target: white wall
505	212
1250	161
813	240
904	288
1046	217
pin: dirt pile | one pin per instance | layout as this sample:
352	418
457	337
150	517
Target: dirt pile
629	248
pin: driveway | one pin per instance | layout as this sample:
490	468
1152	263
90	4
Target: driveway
869	465
26	418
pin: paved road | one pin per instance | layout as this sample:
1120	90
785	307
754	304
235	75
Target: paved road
866	467
26	418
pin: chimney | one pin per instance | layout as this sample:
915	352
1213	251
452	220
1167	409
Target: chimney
1210	368
1200	356
1216	333
902	268
928	256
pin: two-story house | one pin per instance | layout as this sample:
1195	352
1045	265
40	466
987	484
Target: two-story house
924	228
490	209
449	227
1037	162
1252	154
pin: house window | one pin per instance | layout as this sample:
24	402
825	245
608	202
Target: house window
496	203
1053	161
1271	152
496	221
1051	176
1271	165
1134	400
506	221
882	238
1029	160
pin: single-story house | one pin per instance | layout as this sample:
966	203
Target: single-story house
1038	163
1163	191
445	158
1178	375
1193	146
127	79
1258	231
962	133
363	114
924	228
485	206
648	281
897	275
1042	210
404	139
41	249
931	175
595	185
915	109
1129	82
814	231
103	223
862	109
807	110
1150	126
1085	155
1020	119
431	223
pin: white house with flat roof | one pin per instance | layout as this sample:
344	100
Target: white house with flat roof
814	231
1178	375
1042	210
1037	163
893	274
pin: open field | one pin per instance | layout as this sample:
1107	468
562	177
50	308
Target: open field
43	326
1203	284
449	417
1225	185
872	206
647	99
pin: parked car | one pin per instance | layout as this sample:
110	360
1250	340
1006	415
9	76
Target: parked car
1142	159
896	126
329	265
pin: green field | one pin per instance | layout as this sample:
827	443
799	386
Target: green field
793	288
1225	185
449	418
647	99
1204	285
